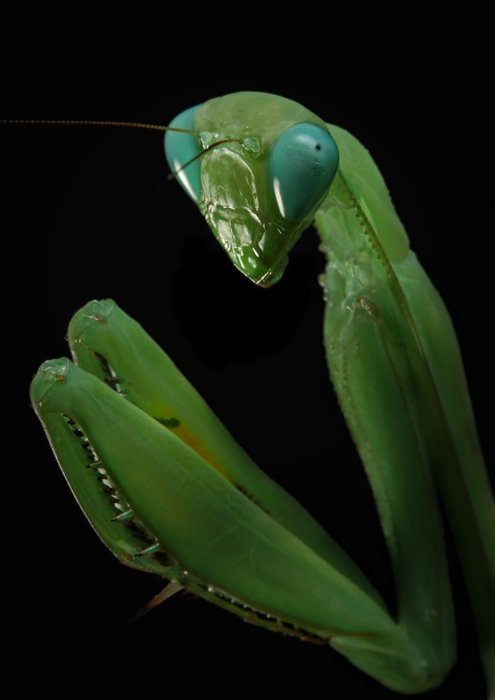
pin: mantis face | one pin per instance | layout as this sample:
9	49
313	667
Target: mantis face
258	167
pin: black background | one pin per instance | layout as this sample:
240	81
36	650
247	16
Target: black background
87	213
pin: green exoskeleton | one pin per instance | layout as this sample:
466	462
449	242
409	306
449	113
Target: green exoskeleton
169	491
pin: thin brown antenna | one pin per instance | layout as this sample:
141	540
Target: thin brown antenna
95	122
132	125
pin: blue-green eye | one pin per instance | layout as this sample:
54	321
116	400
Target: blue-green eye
180	148
302	164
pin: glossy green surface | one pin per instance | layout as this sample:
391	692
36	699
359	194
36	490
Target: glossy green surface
196	509
239	199
185	518
193	512
384	315
108	343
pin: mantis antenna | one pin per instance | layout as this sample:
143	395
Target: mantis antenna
95	122
131	125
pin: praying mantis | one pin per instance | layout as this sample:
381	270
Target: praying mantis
387	338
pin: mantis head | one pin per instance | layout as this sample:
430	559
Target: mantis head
258	166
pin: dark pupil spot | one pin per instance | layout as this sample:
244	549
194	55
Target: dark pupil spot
318	147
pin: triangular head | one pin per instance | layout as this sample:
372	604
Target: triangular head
258	166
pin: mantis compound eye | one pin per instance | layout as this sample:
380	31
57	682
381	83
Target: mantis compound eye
180	149
302	163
